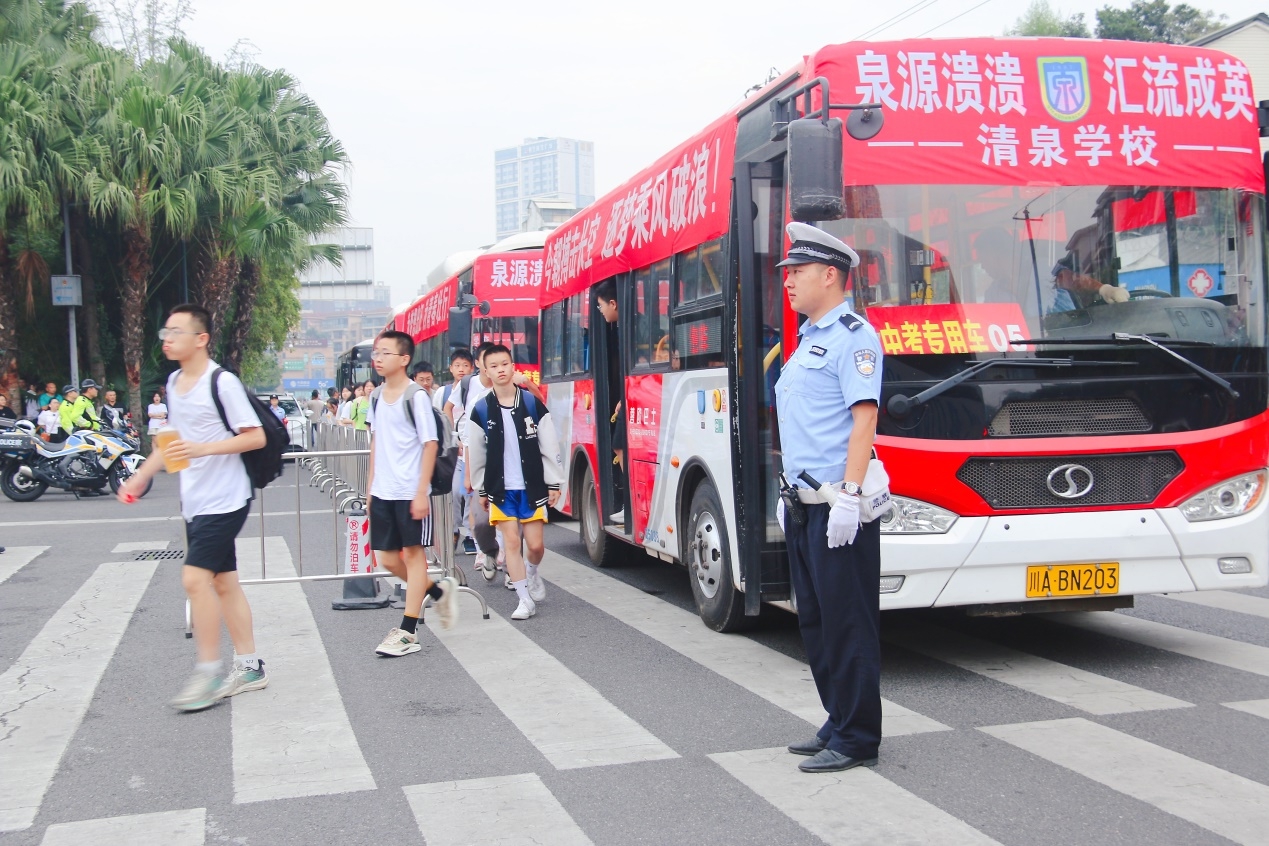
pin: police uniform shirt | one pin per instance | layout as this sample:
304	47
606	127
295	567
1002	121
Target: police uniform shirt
834	367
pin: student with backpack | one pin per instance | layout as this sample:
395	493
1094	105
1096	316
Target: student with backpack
403	448
218	426
460	365
516	469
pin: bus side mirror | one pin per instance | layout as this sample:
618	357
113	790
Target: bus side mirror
459	328
816	187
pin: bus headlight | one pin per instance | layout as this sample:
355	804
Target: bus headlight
914	517
1228	499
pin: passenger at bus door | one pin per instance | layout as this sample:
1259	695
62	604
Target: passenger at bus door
1081	289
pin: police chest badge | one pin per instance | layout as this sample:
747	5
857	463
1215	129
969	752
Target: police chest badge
865	362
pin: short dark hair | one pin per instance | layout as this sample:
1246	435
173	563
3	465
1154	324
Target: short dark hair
331	392
483	349
460	354
200	316
606	290
405	344
498	348
316	393
422	367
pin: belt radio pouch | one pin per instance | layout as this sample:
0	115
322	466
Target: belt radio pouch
794	510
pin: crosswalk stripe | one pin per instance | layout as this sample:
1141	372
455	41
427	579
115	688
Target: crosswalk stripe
515	810
140	546
1255	707
1225	600
783	681
166	828
1218	650
1050	679
17	557
568	721
47	691
1221	802
294	737
844	809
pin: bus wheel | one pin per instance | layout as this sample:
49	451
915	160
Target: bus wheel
603	550
708	558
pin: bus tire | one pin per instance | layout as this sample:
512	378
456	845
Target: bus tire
707	554
604	551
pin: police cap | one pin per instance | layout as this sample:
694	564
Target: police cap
87	383
815	246
69	389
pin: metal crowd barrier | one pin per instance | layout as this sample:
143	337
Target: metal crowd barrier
339	467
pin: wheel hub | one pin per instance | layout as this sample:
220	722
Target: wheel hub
707	555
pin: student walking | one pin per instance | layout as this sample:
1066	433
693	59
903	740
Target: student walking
514	461
215	500
403	448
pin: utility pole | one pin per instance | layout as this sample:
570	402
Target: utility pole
74	342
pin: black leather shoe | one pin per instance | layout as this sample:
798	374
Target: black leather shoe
828	761
807	747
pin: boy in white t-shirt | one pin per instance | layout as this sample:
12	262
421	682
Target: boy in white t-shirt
49	421
215	500
403	450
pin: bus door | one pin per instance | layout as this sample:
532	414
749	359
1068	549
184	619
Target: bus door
758	356
608	366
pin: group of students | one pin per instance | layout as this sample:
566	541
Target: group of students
511	473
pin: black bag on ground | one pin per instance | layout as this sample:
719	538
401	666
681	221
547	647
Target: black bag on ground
263	464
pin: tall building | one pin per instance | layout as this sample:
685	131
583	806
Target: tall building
549	168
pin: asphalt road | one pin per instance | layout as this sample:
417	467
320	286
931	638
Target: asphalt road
612	717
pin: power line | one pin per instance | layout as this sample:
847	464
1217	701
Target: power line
949	20
917	6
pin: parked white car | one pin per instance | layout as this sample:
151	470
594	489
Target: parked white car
296	422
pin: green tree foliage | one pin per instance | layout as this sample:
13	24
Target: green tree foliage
1040	18
1155	20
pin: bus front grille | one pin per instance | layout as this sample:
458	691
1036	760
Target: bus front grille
1071	481
1035	418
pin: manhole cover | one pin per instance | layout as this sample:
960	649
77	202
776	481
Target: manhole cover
161	555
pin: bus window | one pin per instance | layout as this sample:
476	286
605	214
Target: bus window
578	343
659	309
713	268
553	363
689	273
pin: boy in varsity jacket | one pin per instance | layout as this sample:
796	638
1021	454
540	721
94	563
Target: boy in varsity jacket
516	470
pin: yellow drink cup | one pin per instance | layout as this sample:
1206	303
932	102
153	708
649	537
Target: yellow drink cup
162	438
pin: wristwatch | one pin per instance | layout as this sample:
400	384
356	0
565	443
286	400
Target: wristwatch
851	488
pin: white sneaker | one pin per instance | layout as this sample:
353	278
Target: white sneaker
524	610
537	587
506	582
488	568
447	605
478	565
619	517
399	642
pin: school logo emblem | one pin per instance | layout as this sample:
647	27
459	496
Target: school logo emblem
865	362
1064	86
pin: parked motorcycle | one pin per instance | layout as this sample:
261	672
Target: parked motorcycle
86	461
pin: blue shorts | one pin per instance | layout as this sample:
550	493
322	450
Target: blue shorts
516	506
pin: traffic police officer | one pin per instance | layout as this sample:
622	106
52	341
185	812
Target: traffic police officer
826	401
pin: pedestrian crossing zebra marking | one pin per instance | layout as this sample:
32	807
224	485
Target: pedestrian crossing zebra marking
1221	802
166	828
515	810
783	681
17	557
140	546
1071	686
848	808
1225	600
294	737
569	722
1255	707
47	691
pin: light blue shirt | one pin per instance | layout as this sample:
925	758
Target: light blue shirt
833	368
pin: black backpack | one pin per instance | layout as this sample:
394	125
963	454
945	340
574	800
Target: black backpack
263	464
446	452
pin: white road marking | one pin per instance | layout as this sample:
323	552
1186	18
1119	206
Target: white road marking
1219	801
1225	600
1255	707
255	515
47	691
1068	685
847	808
783	681
293	738
166	828
568	721
1218	650
516	810
140	546
17	557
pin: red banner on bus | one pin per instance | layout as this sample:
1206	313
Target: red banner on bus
1048	111
429	315
948	329
510	282
682	200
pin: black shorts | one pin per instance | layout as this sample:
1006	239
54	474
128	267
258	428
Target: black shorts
392	528
209	540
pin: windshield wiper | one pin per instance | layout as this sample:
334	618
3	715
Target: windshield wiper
899	405
1130	338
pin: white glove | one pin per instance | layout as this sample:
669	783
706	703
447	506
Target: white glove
780	512
843	521
1111	294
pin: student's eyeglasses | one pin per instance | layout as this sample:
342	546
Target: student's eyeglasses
380	354
166	333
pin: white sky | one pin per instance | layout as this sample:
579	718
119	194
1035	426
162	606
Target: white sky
422	93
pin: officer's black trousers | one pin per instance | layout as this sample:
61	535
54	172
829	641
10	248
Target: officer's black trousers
840	618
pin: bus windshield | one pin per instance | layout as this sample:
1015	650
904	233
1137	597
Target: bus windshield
975	269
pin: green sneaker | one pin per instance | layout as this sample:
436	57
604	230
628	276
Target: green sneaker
242	679
202	691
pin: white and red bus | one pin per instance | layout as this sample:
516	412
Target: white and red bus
1048	448
497	292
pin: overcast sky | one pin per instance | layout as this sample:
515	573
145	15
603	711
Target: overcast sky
422	93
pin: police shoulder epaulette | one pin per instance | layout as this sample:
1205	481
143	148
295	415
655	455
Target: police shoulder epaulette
850	321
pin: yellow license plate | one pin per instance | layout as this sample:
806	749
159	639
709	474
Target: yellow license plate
1047	580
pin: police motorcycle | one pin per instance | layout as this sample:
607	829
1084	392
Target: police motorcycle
86	461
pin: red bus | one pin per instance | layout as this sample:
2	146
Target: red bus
1062	249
